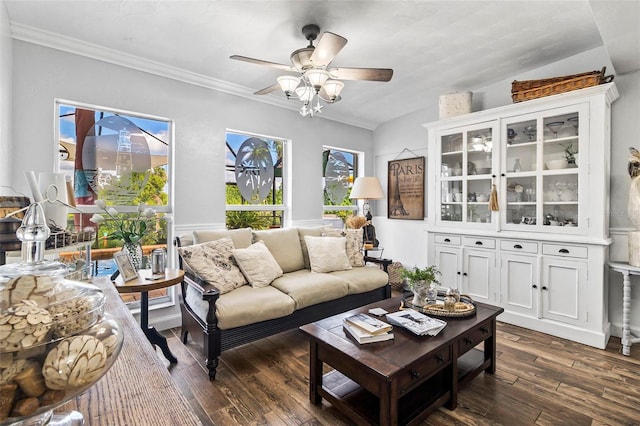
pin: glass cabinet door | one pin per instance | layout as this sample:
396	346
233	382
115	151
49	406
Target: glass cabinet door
541	166
466	160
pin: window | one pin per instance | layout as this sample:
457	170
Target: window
340	169
255	178
120	157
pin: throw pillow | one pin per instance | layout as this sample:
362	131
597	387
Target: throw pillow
257	264
327	254
213	262
354	246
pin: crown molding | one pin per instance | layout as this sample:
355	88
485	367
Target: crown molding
105	54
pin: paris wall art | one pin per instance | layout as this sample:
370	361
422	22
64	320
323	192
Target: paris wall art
406	189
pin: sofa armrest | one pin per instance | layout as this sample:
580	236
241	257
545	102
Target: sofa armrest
382	262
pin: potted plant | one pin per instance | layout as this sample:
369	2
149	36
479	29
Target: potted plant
420	280
569	154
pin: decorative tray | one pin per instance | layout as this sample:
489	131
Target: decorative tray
464	308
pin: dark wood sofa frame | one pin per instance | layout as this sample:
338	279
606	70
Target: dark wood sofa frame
214	340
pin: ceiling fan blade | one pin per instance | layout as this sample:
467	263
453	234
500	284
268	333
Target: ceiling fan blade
268	90
328	47
370	74
261	62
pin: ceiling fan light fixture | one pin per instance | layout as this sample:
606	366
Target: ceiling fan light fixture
317	78
333	88
305	94
288	84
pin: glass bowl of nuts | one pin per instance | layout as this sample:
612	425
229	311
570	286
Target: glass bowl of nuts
56	341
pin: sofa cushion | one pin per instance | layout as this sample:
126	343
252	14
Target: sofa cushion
213	261
307	288
327	254
313	232
257	264
363	279
284	245
241	237
244	305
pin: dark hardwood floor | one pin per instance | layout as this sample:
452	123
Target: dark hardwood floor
540	379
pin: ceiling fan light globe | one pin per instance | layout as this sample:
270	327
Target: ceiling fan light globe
333	88
288	84
317	78
304	93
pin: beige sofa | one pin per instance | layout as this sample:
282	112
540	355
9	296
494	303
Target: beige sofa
221	315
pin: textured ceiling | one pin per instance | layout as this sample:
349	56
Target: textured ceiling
434	47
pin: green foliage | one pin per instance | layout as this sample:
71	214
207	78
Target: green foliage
139	187
250	219
428	274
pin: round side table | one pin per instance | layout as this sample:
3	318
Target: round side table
143	284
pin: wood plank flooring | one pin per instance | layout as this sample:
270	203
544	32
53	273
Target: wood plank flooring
540	380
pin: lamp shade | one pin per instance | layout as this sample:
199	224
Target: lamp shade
333	88
317	78
367	188
288	84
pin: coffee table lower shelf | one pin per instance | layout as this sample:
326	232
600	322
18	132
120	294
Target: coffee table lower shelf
364	407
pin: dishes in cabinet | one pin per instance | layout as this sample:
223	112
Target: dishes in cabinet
530	132
482	197
556	164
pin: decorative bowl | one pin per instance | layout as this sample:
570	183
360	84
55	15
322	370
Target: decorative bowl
556	164
482	197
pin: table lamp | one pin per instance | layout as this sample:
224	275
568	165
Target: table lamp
367	188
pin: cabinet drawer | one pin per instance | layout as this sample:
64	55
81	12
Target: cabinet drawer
422	369
479	242
453	240
473	337
519	246
565	250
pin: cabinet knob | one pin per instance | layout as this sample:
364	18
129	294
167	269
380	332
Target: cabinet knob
458	272
484	330
447	240
564	251
415	374
517	246
440	358
502	174
465	274
467	341
478	243
493	176
544	287
534	286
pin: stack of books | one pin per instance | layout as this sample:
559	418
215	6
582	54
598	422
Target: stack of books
417	322
367	329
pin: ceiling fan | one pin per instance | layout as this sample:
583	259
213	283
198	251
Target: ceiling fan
315	80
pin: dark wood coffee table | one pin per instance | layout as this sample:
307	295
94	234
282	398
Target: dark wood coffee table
399	381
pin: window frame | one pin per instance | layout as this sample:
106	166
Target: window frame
358	160
285	208
167	210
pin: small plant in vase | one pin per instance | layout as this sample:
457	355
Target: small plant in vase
130	228
422	283
570	155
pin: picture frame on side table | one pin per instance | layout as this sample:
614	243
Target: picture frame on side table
405	190
125	266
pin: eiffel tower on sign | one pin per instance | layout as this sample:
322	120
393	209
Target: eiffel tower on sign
396	208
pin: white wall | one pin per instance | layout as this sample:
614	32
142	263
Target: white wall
6	96
201	116
407	132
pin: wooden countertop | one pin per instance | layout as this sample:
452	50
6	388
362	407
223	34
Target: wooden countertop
138	389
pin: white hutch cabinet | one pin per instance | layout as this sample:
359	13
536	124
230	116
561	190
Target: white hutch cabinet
542	256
